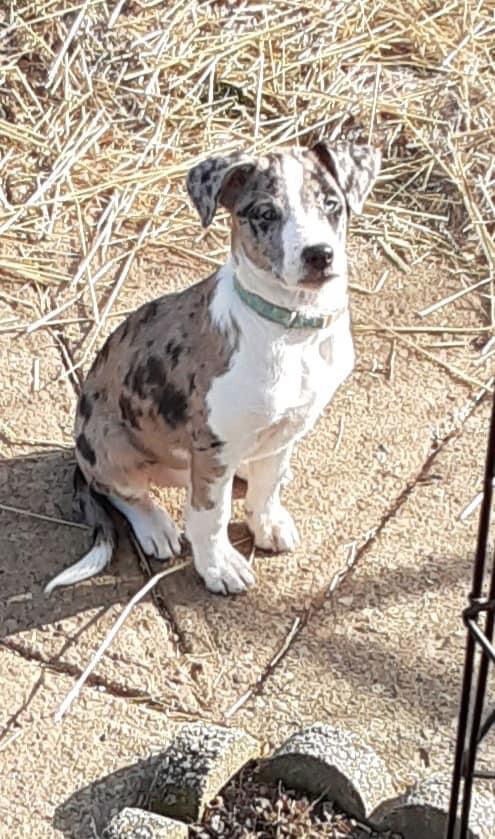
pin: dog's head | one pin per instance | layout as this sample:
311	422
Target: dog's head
289	209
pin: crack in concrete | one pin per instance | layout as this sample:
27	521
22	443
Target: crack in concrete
164	610
12	722
327	592
94	680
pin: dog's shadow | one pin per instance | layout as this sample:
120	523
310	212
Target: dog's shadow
39	538
85	813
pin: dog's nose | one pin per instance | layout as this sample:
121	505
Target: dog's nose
318	257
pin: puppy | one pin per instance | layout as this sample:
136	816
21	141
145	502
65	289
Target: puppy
229	374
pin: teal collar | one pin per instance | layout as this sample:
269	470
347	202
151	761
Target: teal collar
285	317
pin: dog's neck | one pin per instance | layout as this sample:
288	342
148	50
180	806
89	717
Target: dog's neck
309	303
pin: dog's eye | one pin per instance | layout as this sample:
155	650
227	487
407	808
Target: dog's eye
332	205
270	214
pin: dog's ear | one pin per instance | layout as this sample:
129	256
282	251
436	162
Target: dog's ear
217	180
354	167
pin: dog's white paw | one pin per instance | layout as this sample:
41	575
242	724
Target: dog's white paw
156	533
228	572
275	531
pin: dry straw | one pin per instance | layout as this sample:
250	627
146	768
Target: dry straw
104	106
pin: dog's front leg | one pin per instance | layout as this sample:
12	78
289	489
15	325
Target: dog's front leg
224	570
271	524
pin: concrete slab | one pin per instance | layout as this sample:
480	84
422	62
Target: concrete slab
352	664
69	779
384	656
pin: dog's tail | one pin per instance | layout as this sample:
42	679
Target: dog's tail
94	509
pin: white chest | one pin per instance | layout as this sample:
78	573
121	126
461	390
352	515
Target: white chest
278	385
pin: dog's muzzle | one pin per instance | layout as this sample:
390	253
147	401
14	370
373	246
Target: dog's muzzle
318	257
317	260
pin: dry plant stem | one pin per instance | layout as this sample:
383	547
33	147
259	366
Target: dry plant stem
237	705
454	371
75	691
158	599
431	330
172	83
450	299
42	517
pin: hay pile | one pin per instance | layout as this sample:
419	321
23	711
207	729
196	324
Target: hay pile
105	104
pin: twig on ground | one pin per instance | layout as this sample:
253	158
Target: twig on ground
255	688
75	691
21	512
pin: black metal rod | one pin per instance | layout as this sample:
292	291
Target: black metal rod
477	583
482	638
488	652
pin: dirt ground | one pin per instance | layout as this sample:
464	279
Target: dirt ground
380	483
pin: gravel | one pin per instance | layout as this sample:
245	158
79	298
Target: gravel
248	808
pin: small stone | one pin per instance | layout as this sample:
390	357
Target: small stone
196	766
423	811
348	600
132	823
331	762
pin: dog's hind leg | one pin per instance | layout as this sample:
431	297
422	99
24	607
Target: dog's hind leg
152	526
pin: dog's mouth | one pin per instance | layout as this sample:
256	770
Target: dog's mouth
315	279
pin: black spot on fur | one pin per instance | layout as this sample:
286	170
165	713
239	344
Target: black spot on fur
85	448
97	394
103	354
175	355
125	330
192	382
172	405
215	444
128	412
127	377
155	374
85	407
138	380
148	313
175	352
